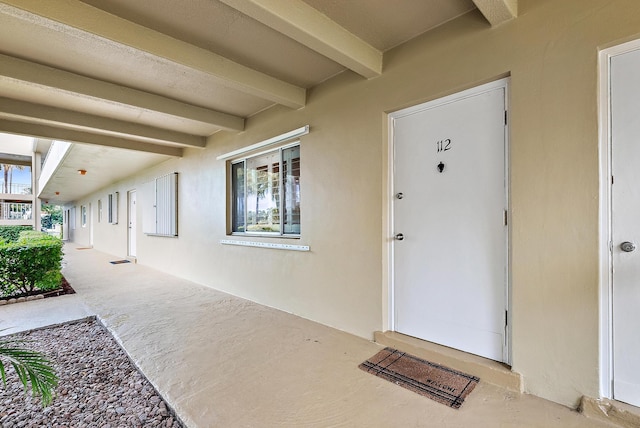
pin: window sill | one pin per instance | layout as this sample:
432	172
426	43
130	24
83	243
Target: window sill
271	245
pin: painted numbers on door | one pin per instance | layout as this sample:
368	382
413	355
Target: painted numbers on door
443	145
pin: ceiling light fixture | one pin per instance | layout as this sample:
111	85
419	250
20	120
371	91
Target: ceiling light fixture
82	171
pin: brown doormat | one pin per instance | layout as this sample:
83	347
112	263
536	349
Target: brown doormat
442	384
117	262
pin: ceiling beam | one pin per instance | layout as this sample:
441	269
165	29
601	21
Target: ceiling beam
82	19
55	133
308	26
37	113
41	75
15	159
497	11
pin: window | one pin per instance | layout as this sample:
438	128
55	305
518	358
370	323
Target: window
83	215
266	193
112	207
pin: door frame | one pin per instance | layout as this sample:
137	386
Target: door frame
388	306
605	212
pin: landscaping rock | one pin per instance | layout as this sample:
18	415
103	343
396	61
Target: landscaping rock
99	387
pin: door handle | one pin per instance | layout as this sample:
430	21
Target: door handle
628	247
399	237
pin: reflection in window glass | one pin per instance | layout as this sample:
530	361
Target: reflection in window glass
266	193
237	181
262	204
291	188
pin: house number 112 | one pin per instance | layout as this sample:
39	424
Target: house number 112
443	145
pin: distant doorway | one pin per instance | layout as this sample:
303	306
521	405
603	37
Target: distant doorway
131	202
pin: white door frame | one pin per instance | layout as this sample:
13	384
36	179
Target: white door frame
605	232
388	306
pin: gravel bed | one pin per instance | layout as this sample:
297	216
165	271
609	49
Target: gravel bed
98	387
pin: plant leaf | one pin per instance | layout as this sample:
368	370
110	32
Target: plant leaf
33	369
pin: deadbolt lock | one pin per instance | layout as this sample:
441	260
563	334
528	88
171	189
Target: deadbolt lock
627	246
399	195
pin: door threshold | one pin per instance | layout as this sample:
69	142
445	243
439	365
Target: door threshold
604	409
487	370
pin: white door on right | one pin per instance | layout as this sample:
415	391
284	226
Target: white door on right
625	224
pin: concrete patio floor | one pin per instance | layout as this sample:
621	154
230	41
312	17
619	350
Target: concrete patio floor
221	361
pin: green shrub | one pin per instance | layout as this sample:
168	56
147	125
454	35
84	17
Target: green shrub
11	233
32	262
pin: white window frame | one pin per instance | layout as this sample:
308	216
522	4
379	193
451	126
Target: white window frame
281	233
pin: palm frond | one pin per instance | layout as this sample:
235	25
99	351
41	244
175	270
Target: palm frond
32	368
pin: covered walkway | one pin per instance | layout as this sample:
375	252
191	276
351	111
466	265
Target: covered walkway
221	361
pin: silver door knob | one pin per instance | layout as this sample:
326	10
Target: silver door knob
627	246
399	237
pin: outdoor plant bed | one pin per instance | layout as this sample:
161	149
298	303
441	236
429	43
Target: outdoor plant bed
98	385
65	288
30	265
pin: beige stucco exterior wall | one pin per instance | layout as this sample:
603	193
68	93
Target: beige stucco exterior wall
550	53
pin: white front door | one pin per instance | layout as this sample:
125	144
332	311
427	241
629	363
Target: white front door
625	224
132	222
450	248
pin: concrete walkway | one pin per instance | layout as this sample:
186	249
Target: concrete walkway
221	361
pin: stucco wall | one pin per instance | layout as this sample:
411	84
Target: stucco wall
550	53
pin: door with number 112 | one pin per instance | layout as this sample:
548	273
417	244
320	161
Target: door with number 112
450	211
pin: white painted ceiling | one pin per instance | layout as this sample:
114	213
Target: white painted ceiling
140	80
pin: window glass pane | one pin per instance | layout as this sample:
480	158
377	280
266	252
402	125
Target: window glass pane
263	179
237	181
291	189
